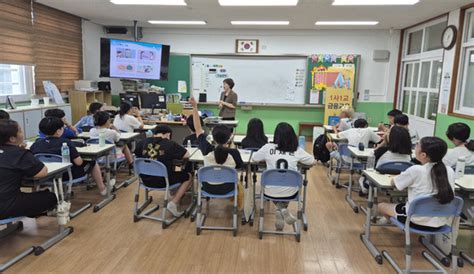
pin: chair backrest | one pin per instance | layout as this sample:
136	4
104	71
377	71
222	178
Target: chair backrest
253	149
429	206
96	141
469	170
49	158
344	150
150	167
217	174
395	167
282	177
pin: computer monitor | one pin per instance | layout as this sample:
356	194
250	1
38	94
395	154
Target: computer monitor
153	100
132	98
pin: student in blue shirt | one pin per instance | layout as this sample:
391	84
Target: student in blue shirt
88	120
69	130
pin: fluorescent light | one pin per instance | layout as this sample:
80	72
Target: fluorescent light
373	2
260	22
346	23
258	2
169	22
150	2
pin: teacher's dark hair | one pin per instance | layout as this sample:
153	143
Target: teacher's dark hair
124	108
435	148
230	82
285	138
8	129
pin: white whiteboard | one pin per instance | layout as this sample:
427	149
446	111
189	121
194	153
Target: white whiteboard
258	79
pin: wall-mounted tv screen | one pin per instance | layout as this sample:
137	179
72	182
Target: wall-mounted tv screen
135	60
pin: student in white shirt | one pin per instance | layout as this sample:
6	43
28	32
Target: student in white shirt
432	177
360	134
128	118
102	125
391	117
459	134
283	153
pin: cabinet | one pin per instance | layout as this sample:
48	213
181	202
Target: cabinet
32	119
80	101
18	117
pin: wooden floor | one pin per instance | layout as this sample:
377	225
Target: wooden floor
110	242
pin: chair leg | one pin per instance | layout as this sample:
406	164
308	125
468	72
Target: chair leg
261	217
408	251
199	211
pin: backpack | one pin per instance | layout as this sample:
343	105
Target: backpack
320	151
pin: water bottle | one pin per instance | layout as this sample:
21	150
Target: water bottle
361	146
189	144
65	153
149	134
371	162
460	165
301	142
101	139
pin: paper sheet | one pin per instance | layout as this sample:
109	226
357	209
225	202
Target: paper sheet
182	88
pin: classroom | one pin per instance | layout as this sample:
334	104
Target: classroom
237	136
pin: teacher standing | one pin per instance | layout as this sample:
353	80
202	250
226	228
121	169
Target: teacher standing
228	101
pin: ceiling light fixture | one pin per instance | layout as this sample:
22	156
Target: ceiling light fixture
150	2
170	22
346	23
258	2
374	2
280	23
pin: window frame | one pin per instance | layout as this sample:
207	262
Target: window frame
465	48
27	84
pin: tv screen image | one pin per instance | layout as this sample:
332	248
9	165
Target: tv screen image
135	60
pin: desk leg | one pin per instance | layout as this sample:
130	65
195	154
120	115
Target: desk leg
193	211
189	210
365	237
349	199
110	196
63	233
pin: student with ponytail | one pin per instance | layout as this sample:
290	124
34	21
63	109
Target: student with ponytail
216	155
432	177
128	118
459	134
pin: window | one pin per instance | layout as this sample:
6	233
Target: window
464	102
422	68
16	80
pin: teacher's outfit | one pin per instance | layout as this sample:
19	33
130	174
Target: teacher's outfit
225	112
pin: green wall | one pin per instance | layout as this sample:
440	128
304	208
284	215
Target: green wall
179	70
375	112
443	121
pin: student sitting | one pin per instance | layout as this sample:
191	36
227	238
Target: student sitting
432	177
15	164
391	117
360	134
459	134
88	120
216	155
283	153
161	148
255	137
192	137
4	115
345	122
102	125
128	119
53	128
69	131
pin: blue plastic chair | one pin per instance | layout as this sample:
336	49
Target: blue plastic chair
469	170
428	206
150	167
395	167
13	224
281	178
53	158
343	164
216	174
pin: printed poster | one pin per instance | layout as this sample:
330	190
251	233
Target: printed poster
338	94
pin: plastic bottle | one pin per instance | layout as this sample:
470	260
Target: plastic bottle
460	165
189	144
101	139
149	134
371	162
301	142
361	146
65	153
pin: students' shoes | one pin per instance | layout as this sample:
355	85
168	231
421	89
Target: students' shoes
363	186
279	222
173	208
104	192
112	183
382	220
288	217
